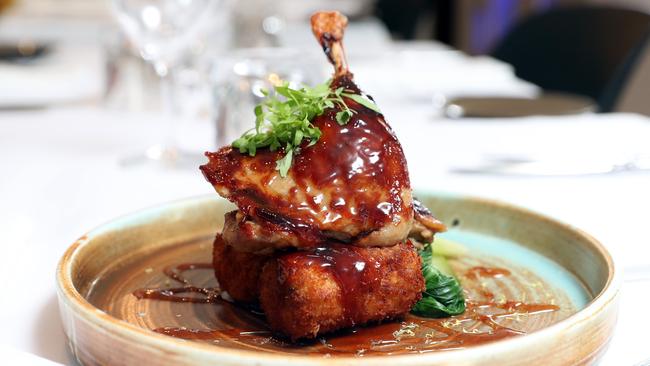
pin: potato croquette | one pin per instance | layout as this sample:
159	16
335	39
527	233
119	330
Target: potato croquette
308	293
237	272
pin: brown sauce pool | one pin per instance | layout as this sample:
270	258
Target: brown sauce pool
173	291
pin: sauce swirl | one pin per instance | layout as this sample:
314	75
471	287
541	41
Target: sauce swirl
480	271
485	319
175	294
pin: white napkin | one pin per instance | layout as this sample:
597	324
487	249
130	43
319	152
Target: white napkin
66	74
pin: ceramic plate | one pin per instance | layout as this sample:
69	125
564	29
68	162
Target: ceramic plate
538	291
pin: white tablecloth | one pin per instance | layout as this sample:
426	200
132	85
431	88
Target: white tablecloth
61	177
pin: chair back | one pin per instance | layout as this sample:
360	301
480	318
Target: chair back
577	49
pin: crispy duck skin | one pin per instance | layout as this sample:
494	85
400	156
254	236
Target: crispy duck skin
425	225
352	186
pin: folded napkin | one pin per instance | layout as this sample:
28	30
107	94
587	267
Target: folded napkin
66	74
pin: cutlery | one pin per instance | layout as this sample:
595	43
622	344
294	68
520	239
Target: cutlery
22	51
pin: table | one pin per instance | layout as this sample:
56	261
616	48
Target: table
61	177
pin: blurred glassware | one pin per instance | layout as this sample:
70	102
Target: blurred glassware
263	23
163	31
248	23
239	80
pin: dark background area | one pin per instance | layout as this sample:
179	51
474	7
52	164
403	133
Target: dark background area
474	26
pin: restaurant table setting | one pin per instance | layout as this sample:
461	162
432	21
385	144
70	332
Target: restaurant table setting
63	174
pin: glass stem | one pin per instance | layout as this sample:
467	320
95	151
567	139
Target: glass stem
168	107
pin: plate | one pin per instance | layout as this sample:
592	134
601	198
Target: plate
549	104
554	264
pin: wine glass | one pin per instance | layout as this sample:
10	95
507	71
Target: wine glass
163	31
240	78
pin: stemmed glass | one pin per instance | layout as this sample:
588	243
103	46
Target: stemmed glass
163	32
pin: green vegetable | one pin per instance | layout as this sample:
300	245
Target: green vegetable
440	263
443	295
447	248
285	119
363	101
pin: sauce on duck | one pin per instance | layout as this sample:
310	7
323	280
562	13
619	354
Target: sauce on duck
355	175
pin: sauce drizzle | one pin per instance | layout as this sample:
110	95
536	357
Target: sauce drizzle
480	271
175	294
485	319
354	273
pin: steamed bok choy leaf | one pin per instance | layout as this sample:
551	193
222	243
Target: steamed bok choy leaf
447	248
443	295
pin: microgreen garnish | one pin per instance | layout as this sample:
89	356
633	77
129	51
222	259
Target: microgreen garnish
363	101
284	119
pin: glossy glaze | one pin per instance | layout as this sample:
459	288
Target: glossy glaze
355	175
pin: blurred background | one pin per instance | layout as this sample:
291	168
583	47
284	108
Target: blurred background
106	106
62	52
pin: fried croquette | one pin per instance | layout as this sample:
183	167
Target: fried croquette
237	272
307	293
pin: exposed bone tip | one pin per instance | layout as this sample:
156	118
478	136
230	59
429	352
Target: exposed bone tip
331	22
328	27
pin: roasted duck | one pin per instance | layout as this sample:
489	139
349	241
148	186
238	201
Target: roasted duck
324	245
